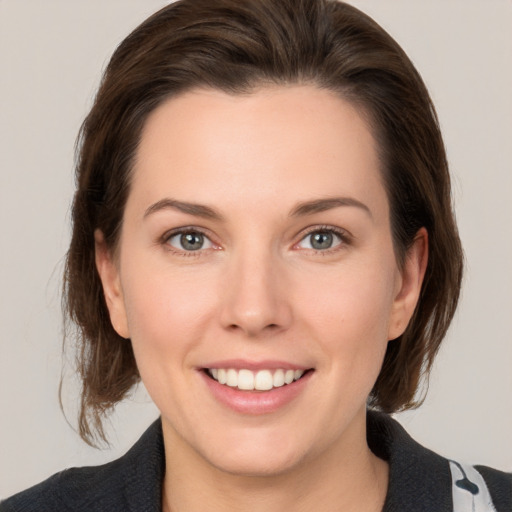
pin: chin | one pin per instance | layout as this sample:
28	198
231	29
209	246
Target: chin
255	455
256	465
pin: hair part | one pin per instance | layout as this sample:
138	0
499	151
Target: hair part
237	46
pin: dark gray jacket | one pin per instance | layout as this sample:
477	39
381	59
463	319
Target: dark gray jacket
420	480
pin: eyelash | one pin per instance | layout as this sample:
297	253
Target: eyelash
165	241
344	237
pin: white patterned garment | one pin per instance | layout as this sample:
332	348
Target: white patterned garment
469	490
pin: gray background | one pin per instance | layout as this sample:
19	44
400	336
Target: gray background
51	55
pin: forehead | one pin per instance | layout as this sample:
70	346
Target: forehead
273	144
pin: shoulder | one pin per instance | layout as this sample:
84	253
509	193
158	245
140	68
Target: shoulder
500	487
72	489
422	480
119	485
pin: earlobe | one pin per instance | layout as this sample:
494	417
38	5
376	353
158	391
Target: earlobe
409	289
109	276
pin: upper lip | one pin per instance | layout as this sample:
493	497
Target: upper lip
242	364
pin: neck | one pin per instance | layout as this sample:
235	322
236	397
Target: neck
348	478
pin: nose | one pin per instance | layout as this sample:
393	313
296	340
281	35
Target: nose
255	298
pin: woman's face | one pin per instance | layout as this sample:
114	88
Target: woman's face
256	247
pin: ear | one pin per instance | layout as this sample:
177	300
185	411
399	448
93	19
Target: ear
109	275
409	284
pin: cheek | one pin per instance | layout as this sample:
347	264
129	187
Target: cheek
357	296
166	311
351	312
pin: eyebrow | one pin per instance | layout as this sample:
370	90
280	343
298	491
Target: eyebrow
301	210
322	205
198	210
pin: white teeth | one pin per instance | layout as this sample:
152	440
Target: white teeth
221	376
245	380
278	379
232	378
262	380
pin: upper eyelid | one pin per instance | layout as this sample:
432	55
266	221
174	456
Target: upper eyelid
186	229
164	242
342	233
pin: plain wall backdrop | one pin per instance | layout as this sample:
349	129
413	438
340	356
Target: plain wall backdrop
51	55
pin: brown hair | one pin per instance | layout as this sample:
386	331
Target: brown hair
236	46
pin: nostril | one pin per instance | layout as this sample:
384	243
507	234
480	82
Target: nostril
269	327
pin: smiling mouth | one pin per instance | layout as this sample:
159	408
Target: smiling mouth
261	380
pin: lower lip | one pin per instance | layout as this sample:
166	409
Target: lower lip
256	402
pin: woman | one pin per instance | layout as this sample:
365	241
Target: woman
263	234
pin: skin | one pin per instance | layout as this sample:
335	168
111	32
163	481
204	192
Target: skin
258	290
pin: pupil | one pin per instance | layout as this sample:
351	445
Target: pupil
321	240
191	241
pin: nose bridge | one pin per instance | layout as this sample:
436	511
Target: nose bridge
255	300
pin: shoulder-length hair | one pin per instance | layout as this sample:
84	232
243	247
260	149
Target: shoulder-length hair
236	46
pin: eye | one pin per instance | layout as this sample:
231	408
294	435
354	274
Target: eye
321	240
189	241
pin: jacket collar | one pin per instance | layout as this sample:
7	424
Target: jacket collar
144	471
419	479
